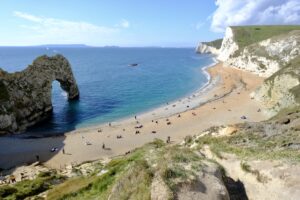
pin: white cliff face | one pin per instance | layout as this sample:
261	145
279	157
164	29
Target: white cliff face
228	47
263	58
256	64
285	48
205	49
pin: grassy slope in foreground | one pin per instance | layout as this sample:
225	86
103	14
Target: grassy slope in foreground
275	139
247	35
131	176
168	167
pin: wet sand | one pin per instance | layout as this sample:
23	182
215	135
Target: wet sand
224	101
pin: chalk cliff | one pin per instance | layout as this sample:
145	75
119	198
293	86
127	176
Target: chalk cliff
203	48
209	47
25	97
264	57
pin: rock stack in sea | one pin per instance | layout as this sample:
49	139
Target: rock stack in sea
25	97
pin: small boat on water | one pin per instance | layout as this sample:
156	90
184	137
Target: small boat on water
133	65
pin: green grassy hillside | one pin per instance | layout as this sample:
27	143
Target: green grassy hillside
216	43
247	35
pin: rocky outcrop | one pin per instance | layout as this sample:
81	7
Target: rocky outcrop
26	96
276	94
282	89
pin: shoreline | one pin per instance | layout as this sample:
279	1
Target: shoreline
206	108
208	85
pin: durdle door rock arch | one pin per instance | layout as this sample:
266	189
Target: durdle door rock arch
25	97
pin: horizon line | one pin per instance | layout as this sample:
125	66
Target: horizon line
91	46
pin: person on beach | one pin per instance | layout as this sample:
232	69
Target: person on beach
22	177
109	124
63	150
103	146
37	158
134	117
168	139
12	179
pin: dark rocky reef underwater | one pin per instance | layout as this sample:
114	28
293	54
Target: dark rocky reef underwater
25	97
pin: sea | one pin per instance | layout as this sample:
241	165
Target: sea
111	89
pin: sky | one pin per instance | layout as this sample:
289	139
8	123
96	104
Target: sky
134	23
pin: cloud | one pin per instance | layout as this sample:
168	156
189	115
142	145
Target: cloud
249	12
52	30
123	24
27	16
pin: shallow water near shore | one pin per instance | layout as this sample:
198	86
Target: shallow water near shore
110	89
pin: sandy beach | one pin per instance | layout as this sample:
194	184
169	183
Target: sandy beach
224	101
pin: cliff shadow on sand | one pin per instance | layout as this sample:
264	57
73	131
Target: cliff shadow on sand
33	150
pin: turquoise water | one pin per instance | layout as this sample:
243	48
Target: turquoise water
109	88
